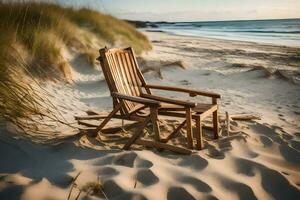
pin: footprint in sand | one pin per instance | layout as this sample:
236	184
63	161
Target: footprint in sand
125	159
199	185
105	160
114	191
295	144
179	193
266	141
142	163
146	177
107	171
272	182
213	152
195	162
242	190
297	113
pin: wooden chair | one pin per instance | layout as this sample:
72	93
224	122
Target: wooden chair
131	95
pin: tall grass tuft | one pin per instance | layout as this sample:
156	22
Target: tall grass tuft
33	40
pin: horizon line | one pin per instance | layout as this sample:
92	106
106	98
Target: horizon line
231	20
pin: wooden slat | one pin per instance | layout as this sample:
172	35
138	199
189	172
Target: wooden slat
133	66
109	130
169	100
173	134
189	128
106	120
116	77
123	76
178	89
88	124
90	117
139	74
124	80
113	73
209	111
137	134
215	119
128	76
130	86
135	81
199	143
154	119
132	75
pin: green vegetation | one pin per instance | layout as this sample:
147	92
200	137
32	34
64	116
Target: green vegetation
34	38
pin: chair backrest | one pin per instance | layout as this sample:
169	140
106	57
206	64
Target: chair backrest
122	74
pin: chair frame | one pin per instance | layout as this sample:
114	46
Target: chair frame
145	99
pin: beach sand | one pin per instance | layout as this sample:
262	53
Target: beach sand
257	160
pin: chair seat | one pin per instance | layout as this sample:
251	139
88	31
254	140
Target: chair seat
201	110
200	107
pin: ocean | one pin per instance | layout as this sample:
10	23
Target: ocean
279	32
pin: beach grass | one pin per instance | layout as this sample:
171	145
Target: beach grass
34	38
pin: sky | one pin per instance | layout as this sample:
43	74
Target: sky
193	10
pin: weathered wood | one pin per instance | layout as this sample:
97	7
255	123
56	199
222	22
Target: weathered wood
160	145
138	72
88	124
111	130
106	120
90	117
227	123
199	141
173	134
177	89
136	99
137	134
168	100
189	128
245	117
209	111
215	119
126	84
92	112
154	119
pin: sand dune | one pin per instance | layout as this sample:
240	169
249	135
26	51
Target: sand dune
259	160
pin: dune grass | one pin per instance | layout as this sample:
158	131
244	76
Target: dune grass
34	38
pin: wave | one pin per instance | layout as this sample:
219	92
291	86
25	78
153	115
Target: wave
279	32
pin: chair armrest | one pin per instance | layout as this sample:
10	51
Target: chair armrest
136	99
168	100
191	92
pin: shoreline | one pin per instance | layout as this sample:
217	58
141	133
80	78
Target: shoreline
221	39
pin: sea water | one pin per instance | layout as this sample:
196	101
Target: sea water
279	32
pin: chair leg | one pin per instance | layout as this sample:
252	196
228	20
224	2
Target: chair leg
154	119
106	120
137	134
216	124
165	140
199	133
189	128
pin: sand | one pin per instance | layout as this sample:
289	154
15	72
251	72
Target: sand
257	160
